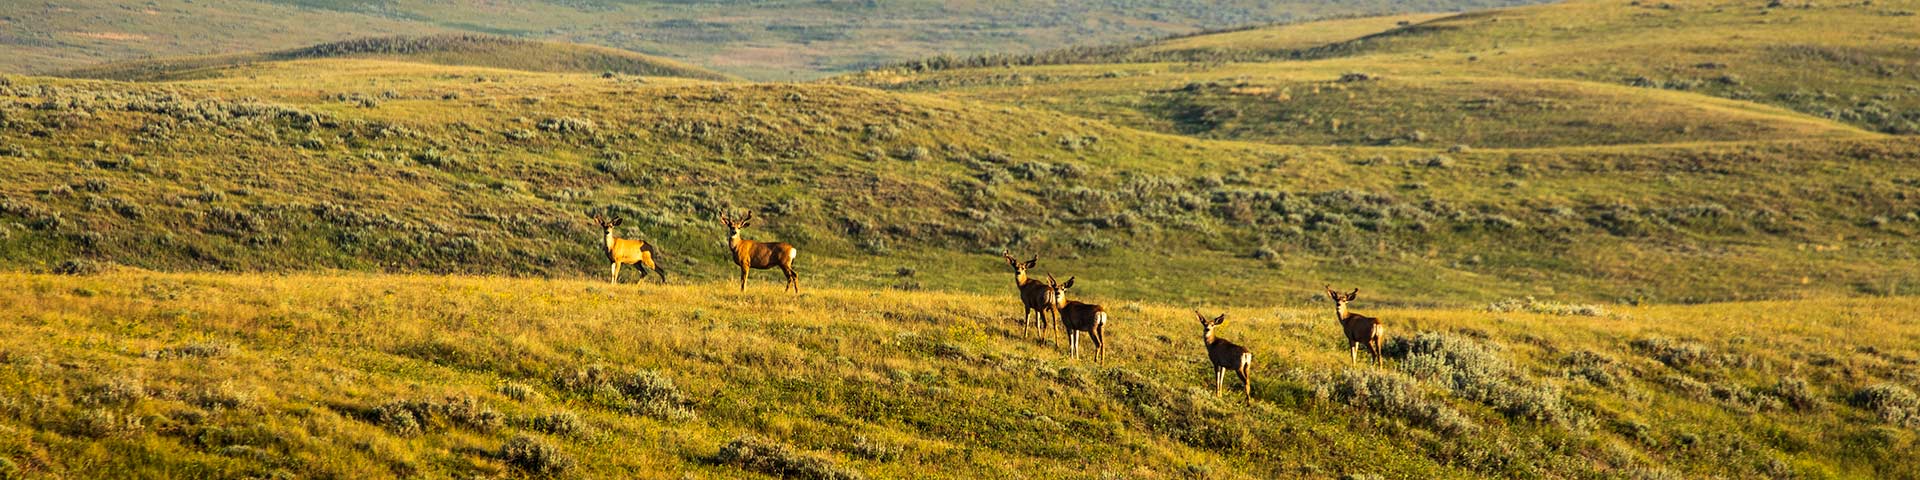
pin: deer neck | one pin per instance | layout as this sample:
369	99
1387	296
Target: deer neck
611	239
1340	312
1020	279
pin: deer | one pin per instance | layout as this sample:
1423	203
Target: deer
1035	297
628	251
1076	317
751	255
1226	356
1360	329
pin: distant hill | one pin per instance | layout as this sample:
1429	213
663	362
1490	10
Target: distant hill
1576	73
443	49
760	40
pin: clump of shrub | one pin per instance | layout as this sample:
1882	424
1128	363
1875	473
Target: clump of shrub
559	423
1592	367
779	460
646	392
1894	404
1676	353
1531	305
1476	371
78	266
189	350
412	417
1796	393
1391	395
567	125
535	456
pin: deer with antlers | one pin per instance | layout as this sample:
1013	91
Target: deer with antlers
1035	296
751	255
1076	317
1360	329
622	251
1226	355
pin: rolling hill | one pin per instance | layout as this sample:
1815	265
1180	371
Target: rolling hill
1477	78
446	49
373	258
762	40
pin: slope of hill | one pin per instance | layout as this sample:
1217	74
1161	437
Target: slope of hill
376	165
446	49
169	375
1847	64
765	40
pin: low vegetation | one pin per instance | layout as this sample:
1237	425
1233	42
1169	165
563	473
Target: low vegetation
370	375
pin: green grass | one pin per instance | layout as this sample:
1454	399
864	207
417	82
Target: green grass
445	49
761	40
134	374
1836	64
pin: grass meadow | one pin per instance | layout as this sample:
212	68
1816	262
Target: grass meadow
138	374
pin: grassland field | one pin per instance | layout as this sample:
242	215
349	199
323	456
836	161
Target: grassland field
1608	239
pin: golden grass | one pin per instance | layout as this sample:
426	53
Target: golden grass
885	382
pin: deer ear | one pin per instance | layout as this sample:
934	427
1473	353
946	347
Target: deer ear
1350	295
1220	319
618	221
1203	318
1069	283
1031	263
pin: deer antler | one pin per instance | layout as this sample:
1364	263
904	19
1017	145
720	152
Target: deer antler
1051	281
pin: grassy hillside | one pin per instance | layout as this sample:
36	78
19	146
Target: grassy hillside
370	165
163	375
765	40
1559	74
446	49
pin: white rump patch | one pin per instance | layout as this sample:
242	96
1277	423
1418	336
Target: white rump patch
1246	359
792	253
1100	318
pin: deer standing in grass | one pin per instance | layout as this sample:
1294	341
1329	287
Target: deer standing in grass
1226	356
1076	317
751	255
1360	329
628	251
1035	297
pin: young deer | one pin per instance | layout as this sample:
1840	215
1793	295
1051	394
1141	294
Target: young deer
1361	329
1226	356
1035	297
1078	317
750	255
625	251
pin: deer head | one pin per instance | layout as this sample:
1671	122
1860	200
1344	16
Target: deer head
1207	326
733	226
1020	268
1057	292
605	223
1341	299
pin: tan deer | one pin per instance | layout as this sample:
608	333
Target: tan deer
1360	329
1076	317
1226	355
750	255
1035	297
628	252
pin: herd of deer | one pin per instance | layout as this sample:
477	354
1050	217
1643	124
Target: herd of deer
1039	300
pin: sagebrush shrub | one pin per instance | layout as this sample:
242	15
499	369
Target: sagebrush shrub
779	460
1894	404
535	456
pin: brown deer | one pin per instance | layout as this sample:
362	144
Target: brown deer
1226	356
1035	297
1076	317
750	255
1361	329
627	251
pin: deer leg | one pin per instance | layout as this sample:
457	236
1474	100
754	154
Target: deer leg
1074	340
1353	351
646	261
615	278
1219	377
1246	379
1099	343
793	279
1378	359
743	277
